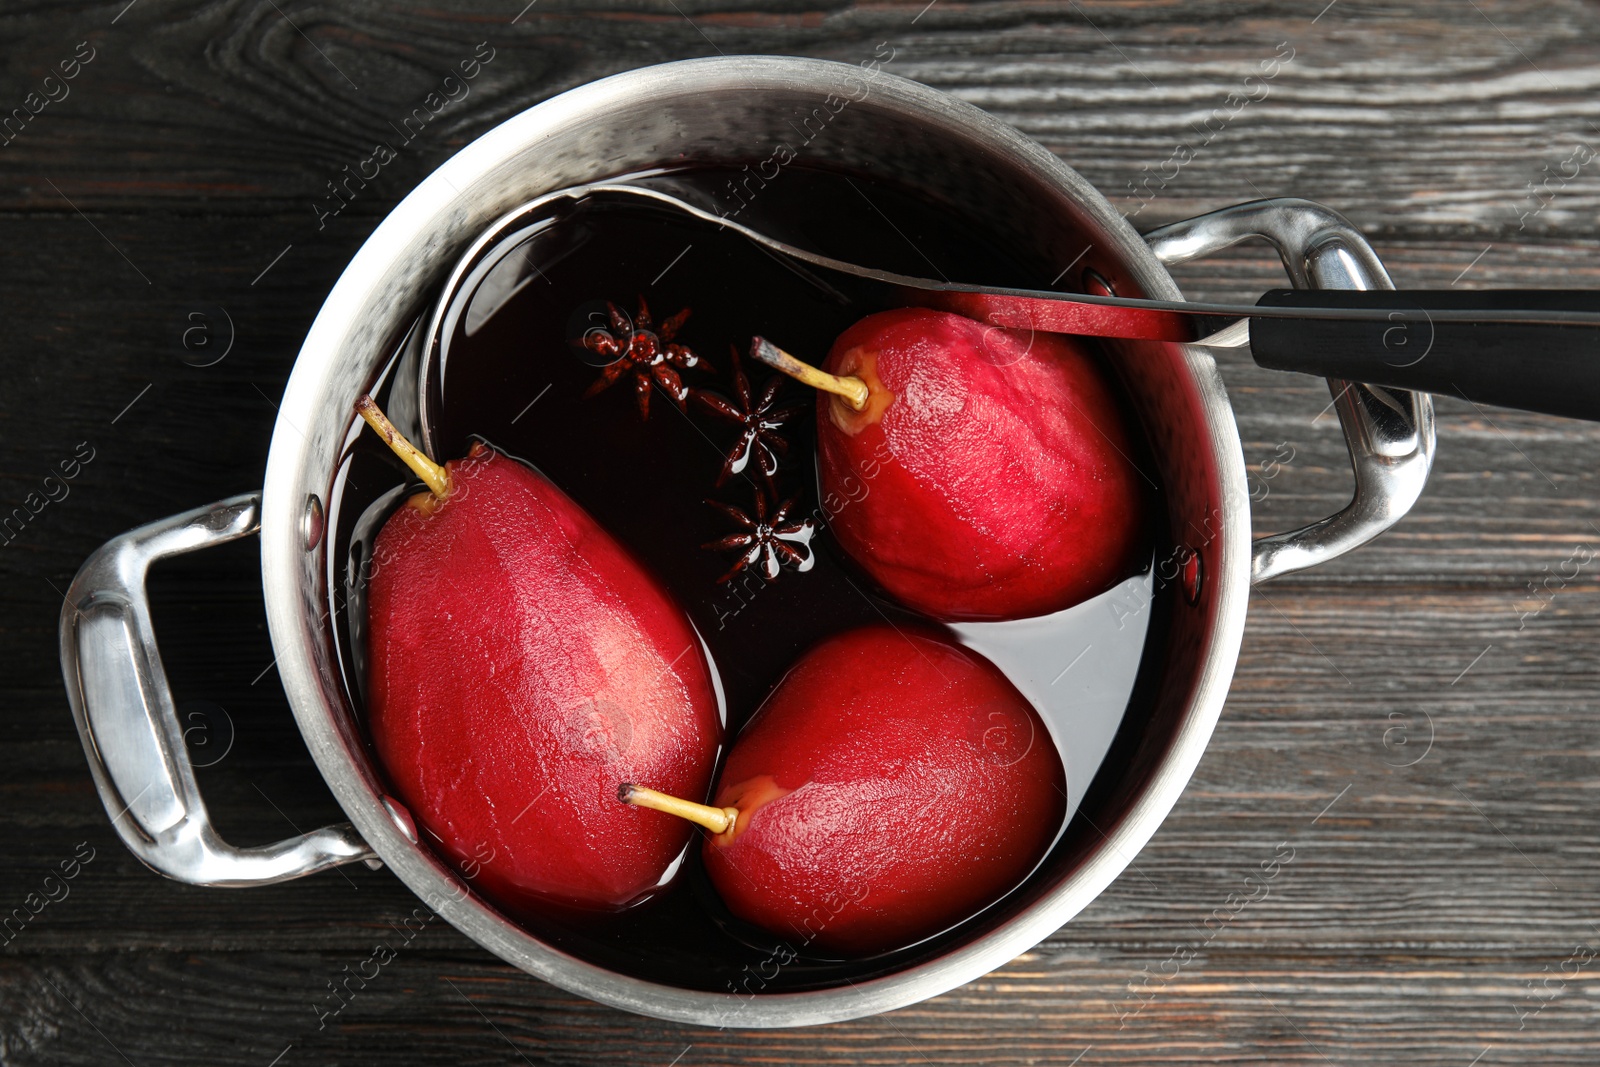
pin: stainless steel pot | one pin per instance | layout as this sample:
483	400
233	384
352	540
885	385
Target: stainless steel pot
722	110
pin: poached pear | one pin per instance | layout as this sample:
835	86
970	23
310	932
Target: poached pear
892	785
999	470
520	664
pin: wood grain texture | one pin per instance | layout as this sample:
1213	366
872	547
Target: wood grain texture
1438	911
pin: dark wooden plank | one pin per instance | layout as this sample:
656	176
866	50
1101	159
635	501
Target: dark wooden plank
1233	1005
1413	117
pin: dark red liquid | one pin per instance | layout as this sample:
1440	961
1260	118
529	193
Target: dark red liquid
510	375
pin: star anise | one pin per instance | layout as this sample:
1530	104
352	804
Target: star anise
757	419
767	539
639	347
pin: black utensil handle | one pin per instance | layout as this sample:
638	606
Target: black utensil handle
1554	369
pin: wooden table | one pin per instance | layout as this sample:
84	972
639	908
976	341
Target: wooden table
1440	906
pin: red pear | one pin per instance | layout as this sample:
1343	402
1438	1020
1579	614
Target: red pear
975	472
892	785
521	663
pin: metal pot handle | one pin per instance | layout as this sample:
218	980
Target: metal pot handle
130	729
1389	432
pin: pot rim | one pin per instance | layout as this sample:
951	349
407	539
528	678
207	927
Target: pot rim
424	220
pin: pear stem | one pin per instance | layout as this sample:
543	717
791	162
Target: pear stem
853	389
717	820
434	476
